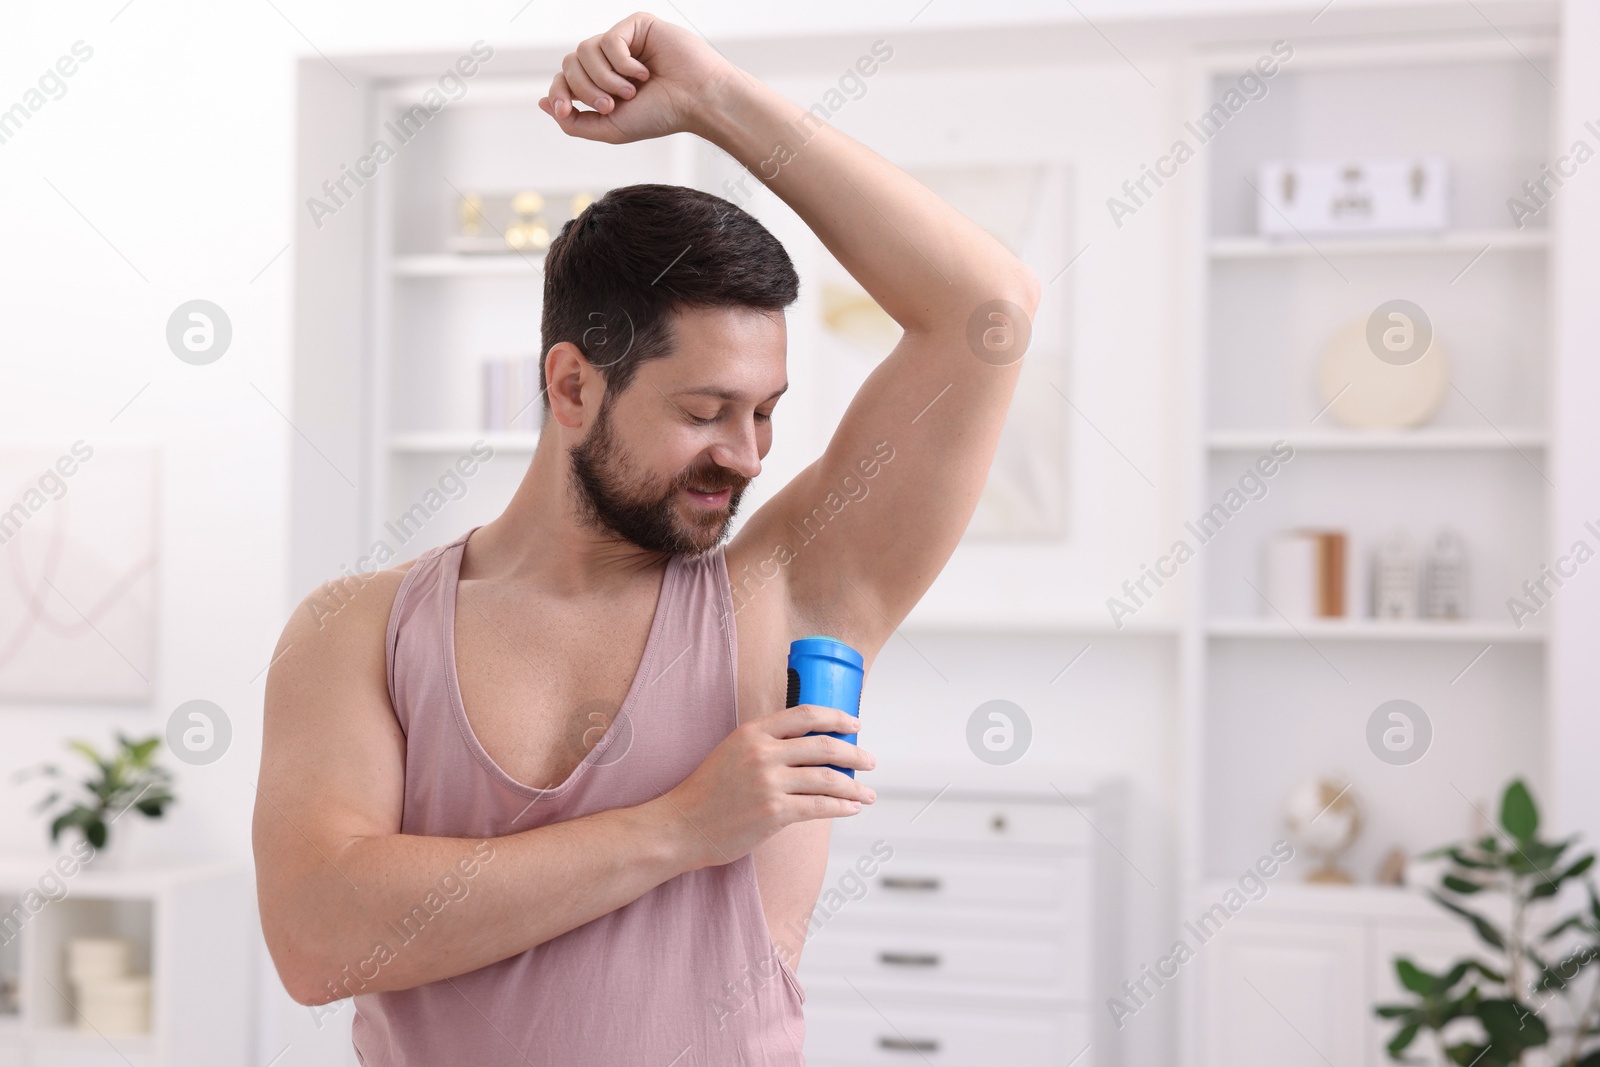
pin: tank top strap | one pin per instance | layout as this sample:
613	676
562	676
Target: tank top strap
420	586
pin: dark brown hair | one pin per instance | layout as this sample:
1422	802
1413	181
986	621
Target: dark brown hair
616	273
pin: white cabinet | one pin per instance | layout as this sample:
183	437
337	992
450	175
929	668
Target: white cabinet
1292	980
981	936
1284	993
190	927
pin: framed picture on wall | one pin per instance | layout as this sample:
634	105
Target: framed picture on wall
78	565
1025	206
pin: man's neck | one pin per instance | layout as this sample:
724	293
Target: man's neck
542	539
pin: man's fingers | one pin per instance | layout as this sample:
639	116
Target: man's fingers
588	125
597	64
583	87
616	49
807	718
560	97
823	749
822	807
825	781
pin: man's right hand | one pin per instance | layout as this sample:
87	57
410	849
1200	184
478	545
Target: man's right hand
766	775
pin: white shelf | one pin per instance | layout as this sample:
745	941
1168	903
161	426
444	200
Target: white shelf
1473	440
20	871
1018	623
1473	630
1359	901
1471	242
483	265
74	1041
444	442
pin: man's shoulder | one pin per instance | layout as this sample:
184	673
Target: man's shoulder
342	622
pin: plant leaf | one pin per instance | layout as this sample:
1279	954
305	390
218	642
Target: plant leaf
1402	1039
1485	929
1512	1026
1518	814
1413	977
1470	1054
1571	922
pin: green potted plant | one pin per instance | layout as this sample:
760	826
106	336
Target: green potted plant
127	778
1530	992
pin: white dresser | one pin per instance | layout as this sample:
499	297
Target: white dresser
966	919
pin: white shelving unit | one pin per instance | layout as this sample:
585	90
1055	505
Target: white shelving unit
190	928
1268	703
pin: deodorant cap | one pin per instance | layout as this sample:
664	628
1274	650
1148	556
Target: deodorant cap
830	647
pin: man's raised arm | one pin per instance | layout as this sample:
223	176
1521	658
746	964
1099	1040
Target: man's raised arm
936	404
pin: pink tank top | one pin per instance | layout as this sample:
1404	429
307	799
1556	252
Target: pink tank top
688	973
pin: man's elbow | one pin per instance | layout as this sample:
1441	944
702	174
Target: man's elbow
300	973
306	993
305	972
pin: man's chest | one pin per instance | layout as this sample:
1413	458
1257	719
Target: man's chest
541	681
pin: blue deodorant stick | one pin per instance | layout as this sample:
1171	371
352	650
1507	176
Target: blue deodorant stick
826	673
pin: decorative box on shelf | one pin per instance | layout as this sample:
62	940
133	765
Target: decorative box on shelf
1360	196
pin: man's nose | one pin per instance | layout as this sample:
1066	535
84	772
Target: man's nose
736	450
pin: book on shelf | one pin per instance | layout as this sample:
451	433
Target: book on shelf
1305	574
511	395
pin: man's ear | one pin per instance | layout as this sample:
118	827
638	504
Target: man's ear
568	374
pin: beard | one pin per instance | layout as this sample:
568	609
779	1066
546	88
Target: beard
645	510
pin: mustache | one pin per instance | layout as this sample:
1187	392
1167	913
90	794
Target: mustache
714	479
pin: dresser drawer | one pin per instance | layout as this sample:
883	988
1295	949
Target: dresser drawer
887	1032
1052	962
896	817
917	879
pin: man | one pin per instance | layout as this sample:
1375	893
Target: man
534	797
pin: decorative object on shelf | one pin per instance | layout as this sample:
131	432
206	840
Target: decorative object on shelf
1386	388
511	400
110	999
1304	574
128	778
1532	960
1392	868
1324	818
1394	578
1361	196
1445	578
469	215
515	222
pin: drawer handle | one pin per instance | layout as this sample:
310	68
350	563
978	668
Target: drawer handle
909	959
925	884
906	1044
